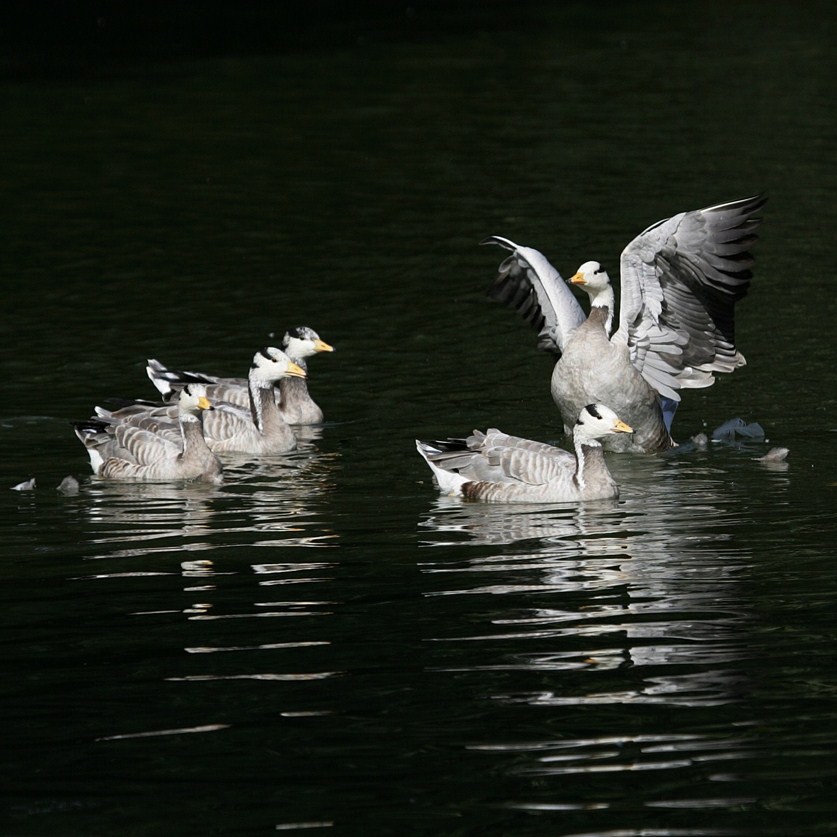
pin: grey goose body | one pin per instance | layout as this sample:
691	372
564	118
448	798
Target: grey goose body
125	449
496	467
257	429
293	397
680	281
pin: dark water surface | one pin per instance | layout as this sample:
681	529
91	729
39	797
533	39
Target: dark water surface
322	644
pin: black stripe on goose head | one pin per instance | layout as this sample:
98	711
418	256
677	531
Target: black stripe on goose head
299	333
590	408
265	354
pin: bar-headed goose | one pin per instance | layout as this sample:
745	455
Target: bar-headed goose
295	402
257	429
680	280
496	467
122	450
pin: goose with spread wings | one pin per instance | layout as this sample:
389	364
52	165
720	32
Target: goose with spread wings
680	280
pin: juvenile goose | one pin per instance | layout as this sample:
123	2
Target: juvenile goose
261	429
121	450
294	400
680	280
495	467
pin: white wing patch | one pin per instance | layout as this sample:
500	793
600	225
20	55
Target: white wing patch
527	282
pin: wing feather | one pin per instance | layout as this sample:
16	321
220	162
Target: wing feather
527	282
159	420
680	281
143	446
228	423
496	457
170	381
533	467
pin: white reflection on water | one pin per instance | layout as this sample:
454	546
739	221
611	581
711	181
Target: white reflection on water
644	832
204	678
262	646
648	581
602	609
274	502
161	732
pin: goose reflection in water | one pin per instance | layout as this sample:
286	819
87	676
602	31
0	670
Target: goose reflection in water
272	502
646	585
603	617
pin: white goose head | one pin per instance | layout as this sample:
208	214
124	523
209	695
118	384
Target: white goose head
592	277
270	365
302	342
192	401
596	421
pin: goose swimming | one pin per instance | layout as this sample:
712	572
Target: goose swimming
495	467
230	428
295	402
122	450
680	280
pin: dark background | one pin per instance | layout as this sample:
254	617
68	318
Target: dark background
89	38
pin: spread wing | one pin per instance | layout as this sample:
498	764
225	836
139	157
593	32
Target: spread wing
680	280
527	282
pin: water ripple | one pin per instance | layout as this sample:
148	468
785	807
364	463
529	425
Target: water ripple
601	612
272	503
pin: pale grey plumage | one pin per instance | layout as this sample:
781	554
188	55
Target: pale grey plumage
259	430
123	450
496	467
295	402
680	280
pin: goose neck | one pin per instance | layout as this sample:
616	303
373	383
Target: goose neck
585	451
602	305
191	430
263	409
